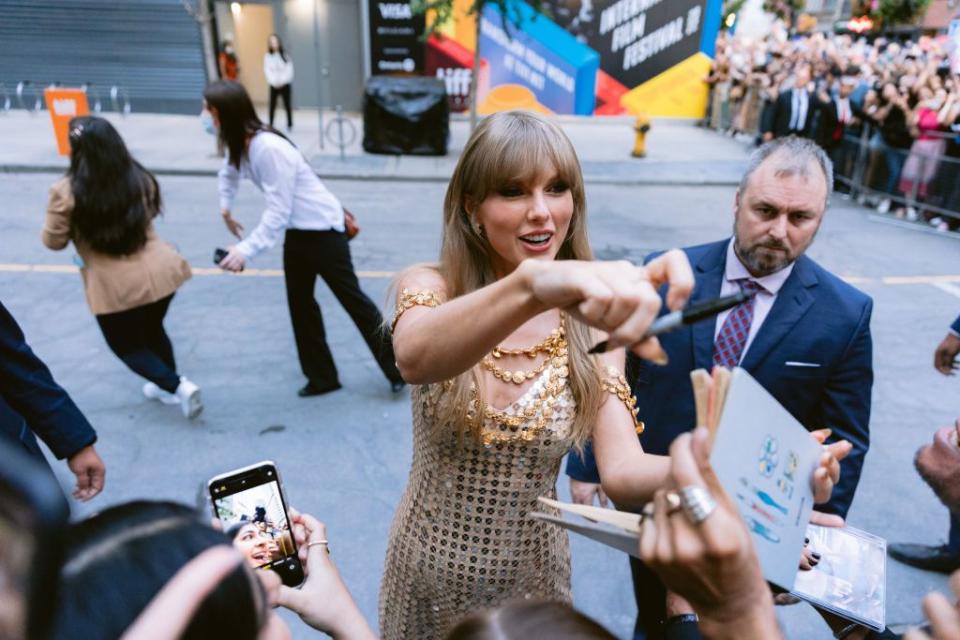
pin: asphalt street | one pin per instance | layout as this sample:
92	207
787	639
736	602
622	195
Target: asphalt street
345	456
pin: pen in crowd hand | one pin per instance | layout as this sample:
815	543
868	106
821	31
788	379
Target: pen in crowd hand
693	313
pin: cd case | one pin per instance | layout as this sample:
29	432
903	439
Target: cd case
851	578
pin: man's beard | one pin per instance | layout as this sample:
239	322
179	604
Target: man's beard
759	264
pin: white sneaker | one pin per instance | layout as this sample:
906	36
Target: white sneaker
884	206
189	396
912	214
153	392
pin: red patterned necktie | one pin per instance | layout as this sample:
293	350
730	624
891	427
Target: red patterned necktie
728	347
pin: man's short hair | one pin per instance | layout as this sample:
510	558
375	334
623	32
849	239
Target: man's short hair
797	154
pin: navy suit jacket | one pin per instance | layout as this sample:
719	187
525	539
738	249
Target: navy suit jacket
956	325
816	318
31	402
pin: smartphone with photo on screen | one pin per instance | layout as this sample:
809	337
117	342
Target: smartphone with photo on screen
252	508
33	516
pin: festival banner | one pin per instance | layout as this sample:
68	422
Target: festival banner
583	57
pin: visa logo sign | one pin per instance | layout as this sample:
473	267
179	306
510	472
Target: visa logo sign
65	107
395	11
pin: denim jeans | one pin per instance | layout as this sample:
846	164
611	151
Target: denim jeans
895	159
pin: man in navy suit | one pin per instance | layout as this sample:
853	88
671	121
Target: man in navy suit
31	402
793	110
939	466
804	336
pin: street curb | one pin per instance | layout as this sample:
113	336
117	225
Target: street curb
411	177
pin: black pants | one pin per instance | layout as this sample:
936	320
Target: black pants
307	254
283	92
651	597
137	337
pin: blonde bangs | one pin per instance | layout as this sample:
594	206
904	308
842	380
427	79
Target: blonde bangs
514	148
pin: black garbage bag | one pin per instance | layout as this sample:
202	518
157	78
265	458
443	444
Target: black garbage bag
406	115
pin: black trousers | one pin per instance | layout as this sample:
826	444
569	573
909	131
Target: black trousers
306	255
651	597
283	92
138	338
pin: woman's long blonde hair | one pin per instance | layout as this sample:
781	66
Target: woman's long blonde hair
509	148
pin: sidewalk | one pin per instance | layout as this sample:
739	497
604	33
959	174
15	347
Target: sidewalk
678	152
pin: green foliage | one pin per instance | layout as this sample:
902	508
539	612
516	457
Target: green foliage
730	6
893	12
784	9
443	11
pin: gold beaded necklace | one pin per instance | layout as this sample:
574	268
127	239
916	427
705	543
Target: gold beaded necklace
531	421
549	346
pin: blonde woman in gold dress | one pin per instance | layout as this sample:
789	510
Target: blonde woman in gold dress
495	339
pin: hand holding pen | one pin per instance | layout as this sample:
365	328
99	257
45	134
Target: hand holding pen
619	298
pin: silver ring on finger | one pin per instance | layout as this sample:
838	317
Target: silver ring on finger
697	503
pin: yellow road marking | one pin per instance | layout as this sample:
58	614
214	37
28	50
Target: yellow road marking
278	273
197	271
919	279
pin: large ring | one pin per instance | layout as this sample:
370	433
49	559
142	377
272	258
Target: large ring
697	503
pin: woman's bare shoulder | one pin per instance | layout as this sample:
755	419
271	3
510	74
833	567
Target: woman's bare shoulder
420	278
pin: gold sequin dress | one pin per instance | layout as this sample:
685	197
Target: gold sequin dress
461	539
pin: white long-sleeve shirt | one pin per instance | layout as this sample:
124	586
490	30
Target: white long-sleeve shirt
296	197
277	70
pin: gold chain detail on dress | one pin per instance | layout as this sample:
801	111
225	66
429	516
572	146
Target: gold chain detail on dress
516	377
616	384
408	300
549	345
533	419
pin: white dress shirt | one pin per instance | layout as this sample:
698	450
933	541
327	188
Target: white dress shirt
296	198
798	113
763	301
844	112
277	70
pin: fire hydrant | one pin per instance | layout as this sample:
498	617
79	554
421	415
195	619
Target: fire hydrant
642	126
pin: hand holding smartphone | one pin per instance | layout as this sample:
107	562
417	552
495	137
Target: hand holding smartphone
252	508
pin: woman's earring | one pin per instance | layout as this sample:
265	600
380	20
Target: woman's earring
480	231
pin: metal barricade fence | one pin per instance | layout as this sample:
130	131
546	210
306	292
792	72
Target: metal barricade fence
923	181
29	97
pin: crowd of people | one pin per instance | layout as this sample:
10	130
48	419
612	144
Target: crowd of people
497	403
887	112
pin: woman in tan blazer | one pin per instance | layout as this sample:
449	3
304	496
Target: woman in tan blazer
105	205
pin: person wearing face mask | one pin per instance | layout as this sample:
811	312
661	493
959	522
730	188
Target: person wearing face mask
227	61
933	113
500	399
804	336
311	219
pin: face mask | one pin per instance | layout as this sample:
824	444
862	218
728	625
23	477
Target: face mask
206	120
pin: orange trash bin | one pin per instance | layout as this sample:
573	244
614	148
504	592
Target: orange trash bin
64	104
